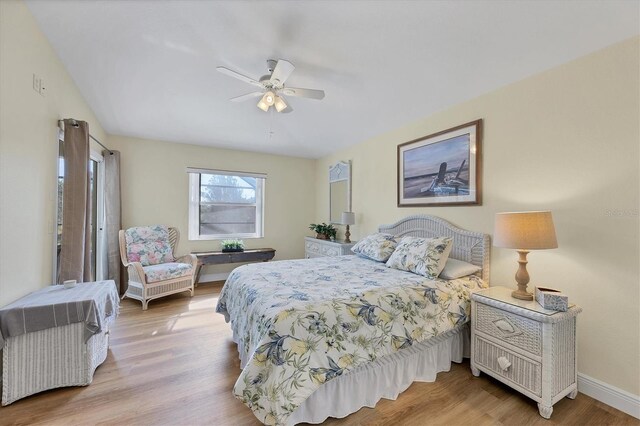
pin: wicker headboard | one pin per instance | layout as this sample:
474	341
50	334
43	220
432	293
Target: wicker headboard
472	247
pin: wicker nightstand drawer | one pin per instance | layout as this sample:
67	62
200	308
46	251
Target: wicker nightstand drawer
312	247
330	251
325	248
521	371
516	330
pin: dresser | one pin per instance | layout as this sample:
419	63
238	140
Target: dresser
314	247
531	349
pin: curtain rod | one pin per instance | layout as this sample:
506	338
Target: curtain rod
74	123
100	143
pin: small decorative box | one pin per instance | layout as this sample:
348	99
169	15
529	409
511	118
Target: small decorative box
550	298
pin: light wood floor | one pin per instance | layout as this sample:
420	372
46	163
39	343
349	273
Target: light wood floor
175	364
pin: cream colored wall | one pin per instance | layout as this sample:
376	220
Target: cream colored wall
28	149
565	140
155	190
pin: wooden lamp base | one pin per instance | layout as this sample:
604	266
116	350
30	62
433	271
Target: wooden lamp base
522	278
522	294
347	235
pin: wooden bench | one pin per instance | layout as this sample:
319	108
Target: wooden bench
219	257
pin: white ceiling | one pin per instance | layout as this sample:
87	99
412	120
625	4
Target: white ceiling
148	68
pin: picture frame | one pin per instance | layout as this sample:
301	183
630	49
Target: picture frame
442	169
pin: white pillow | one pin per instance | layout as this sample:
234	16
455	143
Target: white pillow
455	268
424	256
376	247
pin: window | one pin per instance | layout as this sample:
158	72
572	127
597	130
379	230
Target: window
225	204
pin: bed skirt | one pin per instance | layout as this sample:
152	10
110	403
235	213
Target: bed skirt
386	377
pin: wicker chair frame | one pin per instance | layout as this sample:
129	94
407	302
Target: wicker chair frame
138	288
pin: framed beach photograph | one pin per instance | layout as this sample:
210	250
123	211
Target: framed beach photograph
442	169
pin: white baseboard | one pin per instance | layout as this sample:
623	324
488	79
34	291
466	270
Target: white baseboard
213	277
610	395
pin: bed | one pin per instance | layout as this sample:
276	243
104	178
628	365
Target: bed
324	337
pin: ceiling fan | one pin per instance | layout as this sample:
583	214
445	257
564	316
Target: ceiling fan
272	86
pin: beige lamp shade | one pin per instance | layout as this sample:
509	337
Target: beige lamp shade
525	231
348	218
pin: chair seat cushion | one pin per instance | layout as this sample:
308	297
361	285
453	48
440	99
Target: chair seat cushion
167	271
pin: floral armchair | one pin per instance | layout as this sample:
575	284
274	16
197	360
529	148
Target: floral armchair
147	253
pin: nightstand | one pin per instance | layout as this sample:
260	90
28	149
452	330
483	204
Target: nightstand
529	348
314	247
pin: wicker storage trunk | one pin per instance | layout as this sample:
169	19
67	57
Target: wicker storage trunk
51	358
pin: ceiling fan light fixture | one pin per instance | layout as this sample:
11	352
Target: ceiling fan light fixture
269	98
271	85
280	104
263	105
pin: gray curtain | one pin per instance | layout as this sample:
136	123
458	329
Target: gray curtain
113	217
75	259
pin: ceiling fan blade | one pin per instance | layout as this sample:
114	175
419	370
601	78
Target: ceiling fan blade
287	110
282	71
231	73
247	96
304	93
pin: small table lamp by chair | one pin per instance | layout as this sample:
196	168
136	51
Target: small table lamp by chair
524	231
348	218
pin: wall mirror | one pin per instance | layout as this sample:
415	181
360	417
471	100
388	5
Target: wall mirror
339	190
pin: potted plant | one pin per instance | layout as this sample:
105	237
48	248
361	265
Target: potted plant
323	231
229	246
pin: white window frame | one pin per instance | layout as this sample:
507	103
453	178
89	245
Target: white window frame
194	204
101	237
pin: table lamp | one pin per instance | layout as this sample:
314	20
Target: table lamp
348	218
524	231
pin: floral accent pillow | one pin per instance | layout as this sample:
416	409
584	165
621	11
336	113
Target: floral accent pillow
424	256
376	247
148	245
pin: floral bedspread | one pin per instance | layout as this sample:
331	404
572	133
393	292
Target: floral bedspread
301	323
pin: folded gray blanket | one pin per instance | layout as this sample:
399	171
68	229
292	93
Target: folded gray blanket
54	306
